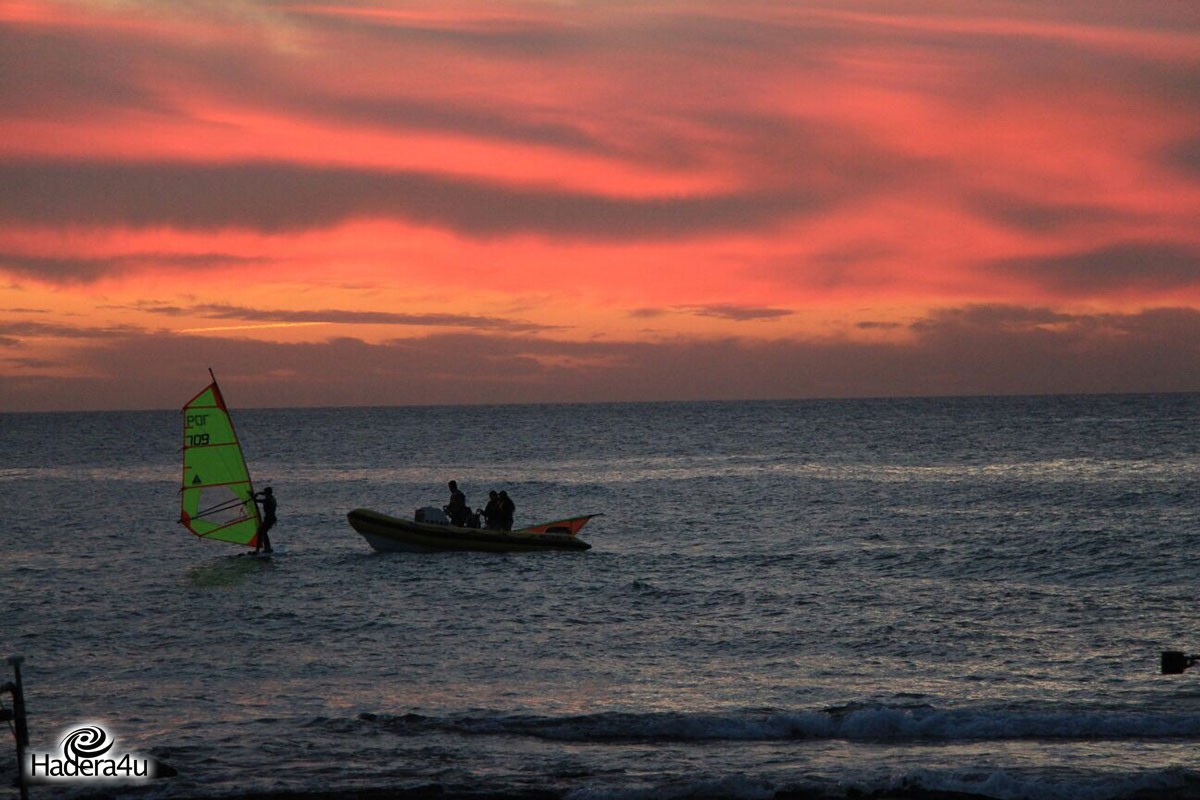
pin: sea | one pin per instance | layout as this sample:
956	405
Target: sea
784	600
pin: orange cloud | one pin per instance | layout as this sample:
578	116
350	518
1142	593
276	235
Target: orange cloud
660	185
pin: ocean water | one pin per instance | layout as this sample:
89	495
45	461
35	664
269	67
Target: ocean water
784	600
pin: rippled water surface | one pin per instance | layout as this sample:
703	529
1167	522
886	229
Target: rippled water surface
826	597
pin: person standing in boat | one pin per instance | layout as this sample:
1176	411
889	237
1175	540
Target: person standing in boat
457	508
491	512
507	509
266	499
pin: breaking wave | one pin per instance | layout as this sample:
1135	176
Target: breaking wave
893	724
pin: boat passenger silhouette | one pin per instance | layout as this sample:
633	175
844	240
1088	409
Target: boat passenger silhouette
507	509
491	513
457	508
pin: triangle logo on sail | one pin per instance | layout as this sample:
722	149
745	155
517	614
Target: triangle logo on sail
196	480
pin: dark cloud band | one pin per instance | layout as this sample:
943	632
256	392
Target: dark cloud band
276	197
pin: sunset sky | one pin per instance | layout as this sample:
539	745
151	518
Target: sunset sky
492	201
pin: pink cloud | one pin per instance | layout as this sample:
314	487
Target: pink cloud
757	170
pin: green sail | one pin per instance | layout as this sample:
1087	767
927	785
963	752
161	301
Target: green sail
216	495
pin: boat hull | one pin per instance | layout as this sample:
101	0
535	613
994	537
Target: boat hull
391	534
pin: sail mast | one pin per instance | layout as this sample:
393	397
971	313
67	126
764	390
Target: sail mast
233	430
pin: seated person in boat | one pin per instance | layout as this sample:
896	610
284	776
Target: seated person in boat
457	508
491	513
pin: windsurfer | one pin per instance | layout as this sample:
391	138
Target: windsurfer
457	508
265	498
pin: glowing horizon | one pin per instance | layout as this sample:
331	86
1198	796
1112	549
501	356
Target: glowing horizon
476	202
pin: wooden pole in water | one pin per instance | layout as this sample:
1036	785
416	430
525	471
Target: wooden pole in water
20	722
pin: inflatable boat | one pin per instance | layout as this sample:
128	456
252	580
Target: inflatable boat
393	534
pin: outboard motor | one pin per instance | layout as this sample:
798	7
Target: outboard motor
431	515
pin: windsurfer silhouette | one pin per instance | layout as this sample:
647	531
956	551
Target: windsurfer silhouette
266	499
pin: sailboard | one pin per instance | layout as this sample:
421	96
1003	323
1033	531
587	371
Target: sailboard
216	495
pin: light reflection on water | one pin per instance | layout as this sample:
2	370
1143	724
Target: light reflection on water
698	468
757	566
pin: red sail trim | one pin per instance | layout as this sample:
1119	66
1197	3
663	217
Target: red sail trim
216	396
